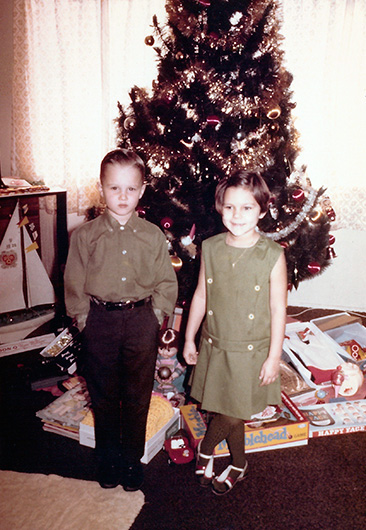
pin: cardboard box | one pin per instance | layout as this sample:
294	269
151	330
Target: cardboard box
291	429
343	328
342	417
152	446
291	347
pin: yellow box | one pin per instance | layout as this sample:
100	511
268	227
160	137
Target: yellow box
290	430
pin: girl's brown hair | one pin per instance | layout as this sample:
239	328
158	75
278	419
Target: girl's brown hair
249	180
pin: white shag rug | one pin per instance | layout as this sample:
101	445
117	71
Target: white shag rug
51	502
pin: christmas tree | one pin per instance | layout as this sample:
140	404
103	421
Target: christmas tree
222	101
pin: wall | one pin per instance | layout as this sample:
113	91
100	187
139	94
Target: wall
339	287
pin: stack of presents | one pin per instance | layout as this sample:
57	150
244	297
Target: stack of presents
322	381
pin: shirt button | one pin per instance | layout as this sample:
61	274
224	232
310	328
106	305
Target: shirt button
210	312
123	279
250	347
124	251
257	288
121	227
209	280
209	340
251	316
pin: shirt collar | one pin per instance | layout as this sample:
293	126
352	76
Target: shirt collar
111	223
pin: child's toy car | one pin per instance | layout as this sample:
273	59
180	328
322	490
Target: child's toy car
178	448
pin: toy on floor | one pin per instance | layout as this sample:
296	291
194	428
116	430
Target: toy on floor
169	373
178	448
347	379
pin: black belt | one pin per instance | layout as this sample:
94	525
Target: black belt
113	306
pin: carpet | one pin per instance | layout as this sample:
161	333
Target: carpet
51	502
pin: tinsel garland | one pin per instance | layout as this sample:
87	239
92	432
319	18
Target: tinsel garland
308	206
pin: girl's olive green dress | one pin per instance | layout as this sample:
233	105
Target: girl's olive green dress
236	331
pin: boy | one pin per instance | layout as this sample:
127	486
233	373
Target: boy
119	285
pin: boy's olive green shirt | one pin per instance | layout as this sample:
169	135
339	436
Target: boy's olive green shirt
114	262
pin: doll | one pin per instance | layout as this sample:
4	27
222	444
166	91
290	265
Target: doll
169	373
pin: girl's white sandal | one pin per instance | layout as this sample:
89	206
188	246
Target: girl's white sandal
225	482
204	473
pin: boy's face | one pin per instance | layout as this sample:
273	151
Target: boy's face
122	188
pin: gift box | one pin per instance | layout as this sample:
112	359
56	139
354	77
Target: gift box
312	353
288	429
346	333
335	417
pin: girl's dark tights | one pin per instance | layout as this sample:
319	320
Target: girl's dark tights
224	427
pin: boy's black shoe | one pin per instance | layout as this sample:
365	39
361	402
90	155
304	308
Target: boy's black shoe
109	475
132	477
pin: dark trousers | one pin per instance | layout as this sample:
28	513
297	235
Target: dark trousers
120	350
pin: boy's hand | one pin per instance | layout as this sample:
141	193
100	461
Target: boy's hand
190	353
269	372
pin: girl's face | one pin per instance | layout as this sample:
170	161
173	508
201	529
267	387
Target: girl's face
122	188
240	215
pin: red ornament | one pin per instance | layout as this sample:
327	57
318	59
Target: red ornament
331	253
298	195
284	244
205	3
314	267
331	214
331	239
213	119
166	223
141	212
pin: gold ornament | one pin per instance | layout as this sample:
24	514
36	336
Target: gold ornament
176	262
274	112
149	40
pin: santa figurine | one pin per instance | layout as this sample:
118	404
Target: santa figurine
169	373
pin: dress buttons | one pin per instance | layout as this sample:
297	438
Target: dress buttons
209	340
250	347
210	312
123	279
257	288
209	280
251	316
124	251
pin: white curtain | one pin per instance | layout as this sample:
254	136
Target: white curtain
74	59
325	45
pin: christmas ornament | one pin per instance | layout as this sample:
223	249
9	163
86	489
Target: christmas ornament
141	212
166	223
179	56
298	195
240	135
213	120
316	215
331	239
205	3
149	40
331	253
314	267
129	123
176	262
274	112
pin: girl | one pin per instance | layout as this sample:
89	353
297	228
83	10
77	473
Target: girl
241	292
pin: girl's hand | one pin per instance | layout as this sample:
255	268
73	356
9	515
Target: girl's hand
269	372
190	353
